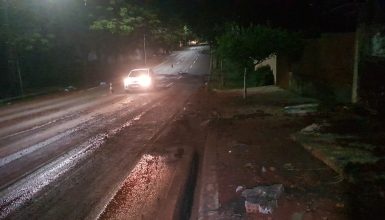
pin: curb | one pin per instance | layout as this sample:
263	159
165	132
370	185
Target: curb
318	154
208	193
180	194
16	98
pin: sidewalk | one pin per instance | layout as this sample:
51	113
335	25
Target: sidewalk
250	144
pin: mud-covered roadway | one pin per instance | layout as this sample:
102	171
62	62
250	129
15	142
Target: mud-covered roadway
56	157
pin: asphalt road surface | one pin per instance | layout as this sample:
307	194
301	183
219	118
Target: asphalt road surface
55	159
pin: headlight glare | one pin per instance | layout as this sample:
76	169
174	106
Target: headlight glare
145	81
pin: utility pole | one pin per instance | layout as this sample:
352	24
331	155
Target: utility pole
19	76
244	84
144	49
12	59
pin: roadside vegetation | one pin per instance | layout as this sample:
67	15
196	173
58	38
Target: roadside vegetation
60	43
239	49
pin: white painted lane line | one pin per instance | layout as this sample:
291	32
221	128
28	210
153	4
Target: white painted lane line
24	190
30	149
169	85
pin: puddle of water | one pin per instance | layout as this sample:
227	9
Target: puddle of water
143	189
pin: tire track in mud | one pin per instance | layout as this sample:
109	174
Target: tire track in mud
17	140
43	118
14	165
26	188
28	108
112	162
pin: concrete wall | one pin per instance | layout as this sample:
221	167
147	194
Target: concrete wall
272	63
284	73
325	70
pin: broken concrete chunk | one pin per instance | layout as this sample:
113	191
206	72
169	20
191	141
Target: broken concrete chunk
311	128
315	128
262	199
301	109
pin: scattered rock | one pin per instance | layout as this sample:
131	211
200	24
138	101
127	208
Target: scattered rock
205	123
249	165
297	216
311	128
215	114
301	109
288	166
239	188
340	205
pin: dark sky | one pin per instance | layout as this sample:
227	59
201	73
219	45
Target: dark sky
303	15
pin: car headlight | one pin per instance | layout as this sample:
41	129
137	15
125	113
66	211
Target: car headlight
145	81
126	81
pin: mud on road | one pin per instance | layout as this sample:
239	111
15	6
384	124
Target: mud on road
98	168
64	157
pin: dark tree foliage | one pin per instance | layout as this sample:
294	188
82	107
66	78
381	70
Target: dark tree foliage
208	17
49	42
248	46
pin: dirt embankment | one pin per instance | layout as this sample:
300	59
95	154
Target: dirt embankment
251	145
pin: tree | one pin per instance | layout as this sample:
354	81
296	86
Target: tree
250	46
127	23
246	47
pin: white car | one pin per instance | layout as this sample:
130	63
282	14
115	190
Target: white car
139	79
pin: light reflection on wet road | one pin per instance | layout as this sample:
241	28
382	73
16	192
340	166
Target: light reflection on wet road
145	185
61	157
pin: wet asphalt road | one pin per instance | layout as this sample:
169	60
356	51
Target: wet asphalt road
61	157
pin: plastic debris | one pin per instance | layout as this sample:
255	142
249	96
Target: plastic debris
262	199
315	128
301	109
69	88
312	128
239	188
